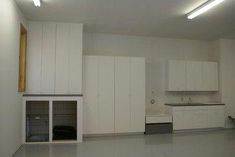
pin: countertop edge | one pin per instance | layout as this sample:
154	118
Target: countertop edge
52	95
178	105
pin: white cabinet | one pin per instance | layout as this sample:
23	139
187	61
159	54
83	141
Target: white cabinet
182	118
62	59
114	94
54	58
98	95
192	76
41	114
200	118
90	91
105	94
68	59
48	58
75	58
210	76
34	58
197	117
188	119
176	75
129	94
137	94
122	95
178	120
216	117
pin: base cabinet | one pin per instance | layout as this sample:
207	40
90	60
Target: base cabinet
197	117
200	119
216	118
52	119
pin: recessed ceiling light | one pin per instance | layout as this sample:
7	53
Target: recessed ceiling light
203	8
37	3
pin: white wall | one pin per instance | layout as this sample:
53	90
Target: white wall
226	57
10	99
157	51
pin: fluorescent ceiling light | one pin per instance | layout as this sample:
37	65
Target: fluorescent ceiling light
37	3
203	8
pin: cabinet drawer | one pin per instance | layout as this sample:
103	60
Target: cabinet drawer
216	107
177	109
198	108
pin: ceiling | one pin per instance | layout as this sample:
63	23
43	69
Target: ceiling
162	18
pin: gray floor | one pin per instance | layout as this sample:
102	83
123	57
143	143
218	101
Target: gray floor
200	144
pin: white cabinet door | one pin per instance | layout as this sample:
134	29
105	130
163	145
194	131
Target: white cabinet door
62	59
216	118
188	119
182	119
210	76
122	95
176	75
178	120
34	58
90	91
75	59
200	119
194	75
48	58
137	90
105	95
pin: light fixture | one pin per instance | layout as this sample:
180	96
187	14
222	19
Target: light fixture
37	3
203	8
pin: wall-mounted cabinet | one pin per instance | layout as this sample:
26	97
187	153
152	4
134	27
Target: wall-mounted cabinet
54	58
176	75
210	76
114	94
192	76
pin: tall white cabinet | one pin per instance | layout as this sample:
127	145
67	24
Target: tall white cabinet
129	94
114	94
54	58
98	93
122	95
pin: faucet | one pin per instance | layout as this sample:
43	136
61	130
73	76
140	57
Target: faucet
190	100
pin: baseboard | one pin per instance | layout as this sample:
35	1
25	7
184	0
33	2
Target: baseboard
198	130
112	134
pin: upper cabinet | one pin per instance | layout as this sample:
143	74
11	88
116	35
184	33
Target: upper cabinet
176	75
34	58
210	76
54	58
192	76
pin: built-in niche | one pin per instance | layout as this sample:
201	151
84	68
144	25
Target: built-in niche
64	120
37	121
